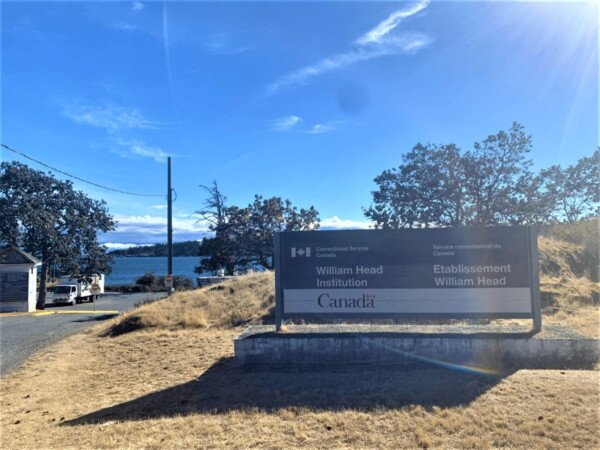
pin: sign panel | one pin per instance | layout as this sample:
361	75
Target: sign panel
450	272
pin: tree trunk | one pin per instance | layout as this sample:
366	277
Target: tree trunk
229	268
41	301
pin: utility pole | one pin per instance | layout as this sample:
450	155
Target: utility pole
169	277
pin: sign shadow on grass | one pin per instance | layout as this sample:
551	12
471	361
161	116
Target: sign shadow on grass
227	386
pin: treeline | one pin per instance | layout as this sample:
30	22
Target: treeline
243	236
491	184
436	185
186	248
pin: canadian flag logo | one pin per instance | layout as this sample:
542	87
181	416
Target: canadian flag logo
300	252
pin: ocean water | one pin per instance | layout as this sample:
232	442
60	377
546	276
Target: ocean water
126	270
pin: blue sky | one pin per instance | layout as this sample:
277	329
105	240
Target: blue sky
308	101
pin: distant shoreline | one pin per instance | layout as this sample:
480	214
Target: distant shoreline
186	248
158	256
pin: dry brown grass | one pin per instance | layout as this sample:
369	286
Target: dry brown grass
585	320
585	234
559	258
173	384
569	296
244	300
180	389
564	286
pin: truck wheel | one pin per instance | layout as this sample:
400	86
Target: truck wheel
77	301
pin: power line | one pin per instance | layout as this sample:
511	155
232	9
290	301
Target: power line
76	177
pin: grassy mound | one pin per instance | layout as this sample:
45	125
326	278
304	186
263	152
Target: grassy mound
248	299
560	258
564	279
585	235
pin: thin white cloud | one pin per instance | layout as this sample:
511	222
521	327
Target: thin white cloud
374	44
407	44
135	230
137	6
109	117
335	223
120	246
383	28
285	123
301	76
158	206
298	125
132	148
149	229
157	224
321	128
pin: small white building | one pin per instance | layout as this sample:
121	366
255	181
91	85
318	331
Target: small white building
18	280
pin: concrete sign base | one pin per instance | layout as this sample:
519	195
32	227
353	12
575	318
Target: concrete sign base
472	347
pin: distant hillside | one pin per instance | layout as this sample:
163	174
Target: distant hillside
187	248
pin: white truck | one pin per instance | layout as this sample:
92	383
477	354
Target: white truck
72	290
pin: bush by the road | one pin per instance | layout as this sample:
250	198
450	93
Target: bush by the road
180	282
150	282
124	288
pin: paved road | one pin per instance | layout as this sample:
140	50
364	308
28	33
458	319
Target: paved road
21	336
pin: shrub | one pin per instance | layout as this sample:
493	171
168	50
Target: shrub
180	283
123	288
148	280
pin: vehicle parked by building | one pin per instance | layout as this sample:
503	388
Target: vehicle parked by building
75	290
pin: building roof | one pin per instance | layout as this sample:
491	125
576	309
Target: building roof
13	255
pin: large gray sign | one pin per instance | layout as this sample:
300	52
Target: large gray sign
449	272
